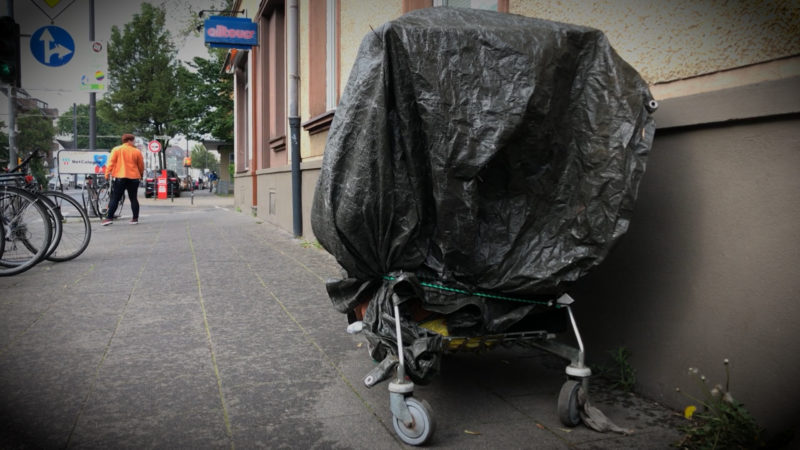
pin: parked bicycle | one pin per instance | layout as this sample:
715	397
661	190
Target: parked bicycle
98	196
38	224
27	230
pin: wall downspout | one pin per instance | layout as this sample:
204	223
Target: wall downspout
294	117
253	93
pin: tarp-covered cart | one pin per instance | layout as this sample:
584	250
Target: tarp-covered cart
477	163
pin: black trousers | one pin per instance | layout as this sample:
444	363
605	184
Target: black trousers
118	189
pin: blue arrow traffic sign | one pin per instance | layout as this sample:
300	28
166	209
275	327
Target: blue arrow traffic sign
52	46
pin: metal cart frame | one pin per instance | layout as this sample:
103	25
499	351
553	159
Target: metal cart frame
413	419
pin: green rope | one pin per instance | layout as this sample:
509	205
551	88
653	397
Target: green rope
477	294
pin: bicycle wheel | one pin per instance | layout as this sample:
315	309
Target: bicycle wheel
76	228
27	230
2	237
104	199
55	224
56	227
118	211
92	201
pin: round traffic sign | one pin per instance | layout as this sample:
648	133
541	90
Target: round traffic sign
52	46
154	146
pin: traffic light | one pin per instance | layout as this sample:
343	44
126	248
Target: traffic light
9	52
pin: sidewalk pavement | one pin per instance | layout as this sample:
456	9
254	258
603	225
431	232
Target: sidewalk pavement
207	328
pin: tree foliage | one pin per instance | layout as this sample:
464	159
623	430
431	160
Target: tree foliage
152	93
108	133
36	132
142	70
194	20
144	76
204	159
209	101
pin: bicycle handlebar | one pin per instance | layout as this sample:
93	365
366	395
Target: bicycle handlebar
26	161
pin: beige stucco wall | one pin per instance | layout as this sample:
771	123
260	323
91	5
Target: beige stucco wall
243	191
672	39
356	19
275	185
665	40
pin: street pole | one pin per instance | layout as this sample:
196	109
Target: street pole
74	139
74	126
12	126
191	183
12	108
92	95
294	117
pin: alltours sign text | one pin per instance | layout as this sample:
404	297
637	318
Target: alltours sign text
230	32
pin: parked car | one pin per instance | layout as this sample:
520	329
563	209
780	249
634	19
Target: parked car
173	185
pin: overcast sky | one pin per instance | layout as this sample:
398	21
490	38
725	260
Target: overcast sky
60	86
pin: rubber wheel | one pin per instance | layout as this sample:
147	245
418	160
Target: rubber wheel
568	408
423	423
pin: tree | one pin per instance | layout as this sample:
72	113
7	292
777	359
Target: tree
36	133
208	99
108	134
144	77
204	159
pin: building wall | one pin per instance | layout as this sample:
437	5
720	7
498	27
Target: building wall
674	39
664	41
355	19
275	196
243	191
708	269
358	19
310	172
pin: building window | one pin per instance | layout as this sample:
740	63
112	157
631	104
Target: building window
271	95
242	111
331	56
323	89
248	148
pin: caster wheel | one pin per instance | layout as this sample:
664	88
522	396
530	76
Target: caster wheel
422	427
568	408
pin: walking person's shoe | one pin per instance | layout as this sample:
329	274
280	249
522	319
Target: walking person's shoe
106	222
134	221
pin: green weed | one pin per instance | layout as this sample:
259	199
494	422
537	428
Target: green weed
621	374
311	244
717	421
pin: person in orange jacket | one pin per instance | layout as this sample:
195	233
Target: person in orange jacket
126	165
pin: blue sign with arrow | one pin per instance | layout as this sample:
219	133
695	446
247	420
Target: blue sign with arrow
52	46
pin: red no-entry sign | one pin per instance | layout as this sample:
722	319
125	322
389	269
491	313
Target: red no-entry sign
154	146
